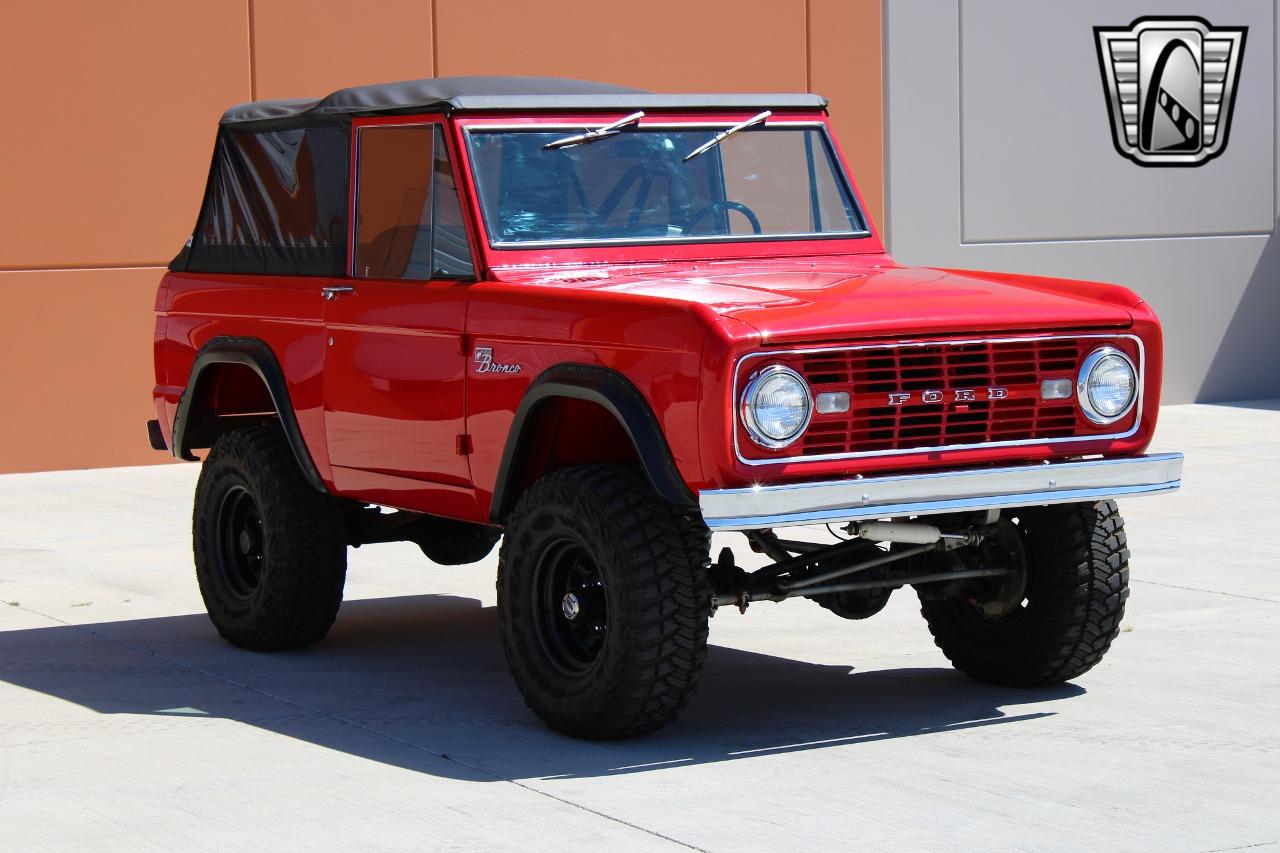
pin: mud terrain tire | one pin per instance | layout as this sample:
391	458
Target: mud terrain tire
628	659
1077	584
270	552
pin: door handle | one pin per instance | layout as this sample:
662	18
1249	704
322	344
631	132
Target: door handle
331	292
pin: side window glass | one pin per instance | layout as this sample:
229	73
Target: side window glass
450	252
404	185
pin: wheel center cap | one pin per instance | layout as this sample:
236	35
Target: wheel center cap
571	606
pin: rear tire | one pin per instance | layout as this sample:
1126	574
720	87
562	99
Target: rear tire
603	602
270	554
1077	581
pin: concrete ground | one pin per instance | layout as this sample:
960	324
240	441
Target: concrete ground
125	723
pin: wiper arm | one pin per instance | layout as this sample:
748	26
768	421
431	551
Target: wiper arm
725	134
597	134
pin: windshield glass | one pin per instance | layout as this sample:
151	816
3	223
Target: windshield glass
636	186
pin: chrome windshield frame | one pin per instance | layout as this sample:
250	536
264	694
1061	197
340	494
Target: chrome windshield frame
838	170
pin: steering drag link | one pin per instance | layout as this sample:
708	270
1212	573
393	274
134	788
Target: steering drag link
824	569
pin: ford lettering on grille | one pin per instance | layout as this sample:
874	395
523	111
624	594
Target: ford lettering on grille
958	395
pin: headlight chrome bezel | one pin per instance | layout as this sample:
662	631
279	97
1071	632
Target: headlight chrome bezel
1090	363
747	413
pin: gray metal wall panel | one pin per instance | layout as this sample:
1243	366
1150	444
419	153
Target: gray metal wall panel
1035	128
965	186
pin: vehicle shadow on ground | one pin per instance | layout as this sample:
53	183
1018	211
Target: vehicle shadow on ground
420	682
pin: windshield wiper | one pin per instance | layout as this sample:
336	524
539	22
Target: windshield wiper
597	134
725	134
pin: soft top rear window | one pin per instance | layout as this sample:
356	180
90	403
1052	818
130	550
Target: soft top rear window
276	202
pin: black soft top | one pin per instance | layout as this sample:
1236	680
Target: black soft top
450	94
276	199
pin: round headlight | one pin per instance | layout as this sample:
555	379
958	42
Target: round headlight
776	406
1108	385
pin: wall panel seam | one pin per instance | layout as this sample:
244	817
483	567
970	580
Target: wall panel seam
435	39
84	268
1228	235
960	116
253	54
886	234
808	46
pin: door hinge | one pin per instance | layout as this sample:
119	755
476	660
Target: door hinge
464	445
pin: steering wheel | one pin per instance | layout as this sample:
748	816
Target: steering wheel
724	206
643	173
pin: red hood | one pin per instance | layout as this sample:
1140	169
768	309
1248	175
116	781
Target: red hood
787	301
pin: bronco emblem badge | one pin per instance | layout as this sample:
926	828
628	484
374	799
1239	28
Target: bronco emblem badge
1170	85
486	364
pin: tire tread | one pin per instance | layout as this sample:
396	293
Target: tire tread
662	587
1084	558
304	538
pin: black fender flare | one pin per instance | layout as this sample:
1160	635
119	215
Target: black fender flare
258	357
615	394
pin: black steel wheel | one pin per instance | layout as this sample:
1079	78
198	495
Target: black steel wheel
239	546
572	609
603	602
270	552
1055	617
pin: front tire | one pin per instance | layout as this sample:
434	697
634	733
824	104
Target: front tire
270	554
603	602
1077	581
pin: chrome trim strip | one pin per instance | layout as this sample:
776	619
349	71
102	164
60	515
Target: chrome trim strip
674	241
649	125
1137	420
946	491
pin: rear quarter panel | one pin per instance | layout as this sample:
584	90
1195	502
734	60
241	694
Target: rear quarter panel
283	311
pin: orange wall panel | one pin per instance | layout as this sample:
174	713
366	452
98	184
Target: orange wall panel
664	45
845	65
77	378
111	109
309	48
115	105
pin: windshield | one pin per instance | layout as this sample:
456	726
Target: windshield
635	186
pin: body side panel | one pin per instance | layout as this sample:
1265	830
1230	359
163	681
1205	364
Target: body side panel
654	344
284	312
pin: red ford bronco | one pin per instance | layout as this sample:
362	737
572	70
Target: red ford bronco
599	323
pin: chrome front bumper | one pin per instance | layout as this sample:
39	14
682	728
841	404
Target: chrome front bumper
946	491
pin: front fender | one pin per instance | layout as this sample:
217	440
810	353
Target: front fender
615	394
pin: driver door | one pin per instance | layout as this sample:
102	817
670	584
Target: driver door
394	371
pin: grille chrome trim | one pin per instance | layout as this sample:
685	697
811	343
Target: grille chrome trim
1137	408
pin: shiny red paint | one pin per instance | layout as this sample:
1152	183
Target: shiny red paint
393	409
